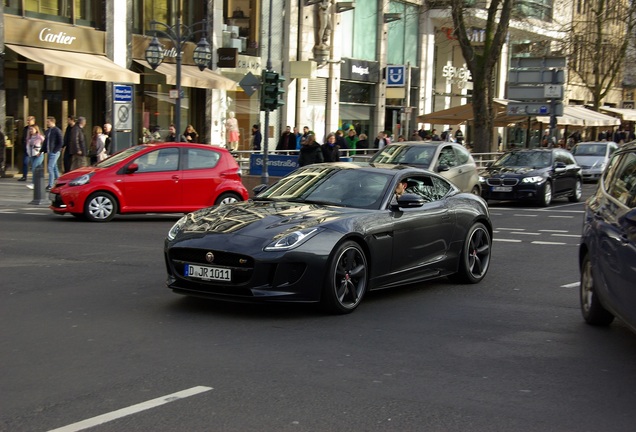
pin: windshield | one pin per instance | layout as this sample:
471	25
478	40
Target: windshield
331	186
589	150
120	156
534	159
419	155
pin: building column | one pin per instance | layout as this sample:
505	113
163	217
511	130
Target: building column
379	112
3	94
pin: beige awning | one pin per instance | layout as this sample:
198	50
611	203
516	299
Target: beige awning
76	65
463	113
626	114
578	115
191	76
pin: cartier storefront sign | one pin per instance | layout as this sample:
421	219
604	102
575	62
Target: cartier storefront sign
47	34
228	57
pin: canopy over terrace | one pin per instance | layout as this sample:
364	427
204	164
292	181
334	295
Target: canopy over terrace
626	114
463	113
572	116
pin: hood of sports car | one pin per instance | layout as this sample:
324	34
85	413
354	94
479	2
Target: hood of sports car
264	219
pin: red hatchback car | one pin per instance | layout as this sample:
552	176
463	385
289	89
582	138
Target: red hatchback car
150	178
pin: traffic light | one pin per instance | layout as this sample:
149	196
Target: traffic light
271	91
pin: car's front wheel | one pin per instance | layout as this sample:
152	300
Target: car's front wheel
346	279
100	207
474	258
546	197
593	311
577	192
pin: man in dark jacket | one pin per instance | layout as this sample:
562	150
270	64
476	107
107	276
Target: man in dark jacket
287	140
66	161
331	150
53	143
257	137
77	145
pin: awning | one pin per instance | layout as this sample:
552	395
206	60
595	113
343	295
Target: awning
626	114
463	113
191	76
76	65
581	116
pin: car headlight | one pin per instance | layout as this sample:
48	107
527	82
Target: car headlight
482	179
82	180
177	227
535	179
292	240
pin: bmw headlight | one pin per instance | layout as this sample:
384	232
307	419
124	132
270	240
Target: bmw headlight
292	240
82	180
482	179
177	227
535	179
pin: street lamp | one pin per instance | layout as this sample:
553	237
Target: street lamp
179	34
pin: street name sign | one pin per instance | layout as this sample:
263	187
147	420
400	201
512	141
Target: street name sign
545	91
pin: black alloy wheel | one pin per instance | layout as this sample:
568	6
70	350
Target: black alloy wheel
593	311
475	255
347	279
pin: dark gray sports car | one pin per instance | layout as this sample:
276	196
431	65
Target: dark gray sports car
329	233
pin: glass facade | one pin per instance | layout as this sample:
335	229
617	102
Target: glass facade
403	34
359	32
82	12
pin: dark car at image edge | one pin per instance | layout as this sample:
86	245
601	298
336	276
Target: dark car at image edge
607	254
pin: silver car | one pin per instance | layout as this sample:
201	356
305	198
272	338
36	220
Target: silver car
451	160
592	157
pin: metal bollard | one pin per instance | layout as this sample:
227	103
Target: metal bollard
39	194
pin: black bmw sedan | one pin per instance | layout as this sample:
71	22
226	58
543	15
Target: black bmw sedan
329	233
540	175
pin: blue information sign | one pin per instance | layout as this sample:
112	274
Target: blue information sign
395	76
123	93
277	165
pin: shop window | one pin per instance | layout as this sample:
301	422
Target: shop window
145	11
240	29
83	12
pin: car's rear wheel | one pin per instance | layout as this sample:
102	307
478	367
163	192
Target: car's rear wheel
474	259
546	197
577	193
100	207
346	280
593	311
227	198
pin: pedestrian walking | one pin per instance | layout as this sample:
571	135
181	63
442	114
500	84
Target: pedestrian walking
310	151
34	150
77	144
331	150
53	143
66	149
257	137
30	121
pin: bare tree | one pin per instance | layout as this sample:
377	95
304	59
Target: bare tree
482	61
598	40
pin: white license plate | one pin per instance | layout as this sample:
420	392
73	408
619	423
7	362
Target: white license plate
502	188
207	273
52	196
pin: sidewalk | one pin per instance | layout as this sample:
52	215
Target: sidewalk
15	194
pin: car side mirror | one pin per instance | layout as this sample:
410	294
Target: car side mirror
258	189
560	165
132	168
628	219
409	200
441	168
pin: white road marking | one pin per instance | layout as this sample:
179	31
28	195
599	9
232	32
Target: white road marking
571	285
507	240
554	231
525	233
561	217
548	243
511	229
133	409
525	215
566	235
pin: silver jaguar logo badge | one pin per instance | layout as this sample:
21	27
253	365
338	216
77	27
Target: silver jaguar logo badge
209	257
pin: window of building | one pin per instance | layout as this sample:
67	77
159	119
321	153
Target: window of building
403	34
365	30
145	11
82	12
241	25
539	9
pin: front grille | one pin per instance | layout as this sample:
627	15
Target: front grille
502	181
242	266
